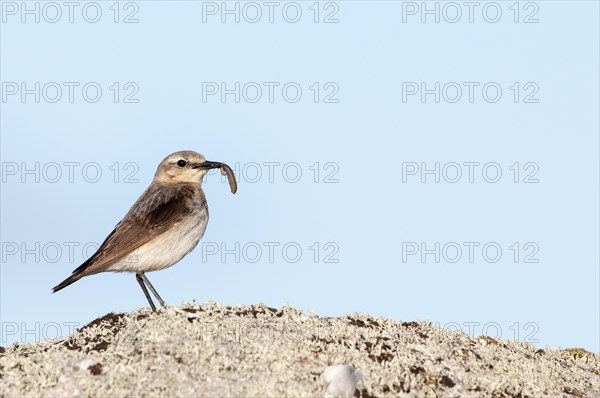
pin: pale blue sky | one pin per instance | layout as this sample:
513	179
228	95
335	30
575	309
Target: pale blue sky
366	132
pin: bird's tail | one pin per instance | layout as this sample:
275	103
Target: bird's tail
72	279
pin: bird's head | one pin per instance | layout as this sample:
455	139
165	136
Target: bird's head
189	167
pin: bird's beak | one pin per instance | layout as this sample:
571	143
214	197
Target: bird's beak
208	165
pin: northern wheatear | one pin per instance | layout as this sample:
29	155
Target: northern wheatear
164	225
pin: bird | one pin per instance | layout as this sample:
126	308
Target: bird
165	223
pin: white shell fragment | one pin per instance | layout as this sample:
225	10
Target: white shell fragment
341	380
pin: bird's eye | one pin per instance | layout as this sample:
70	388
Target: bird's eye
181	163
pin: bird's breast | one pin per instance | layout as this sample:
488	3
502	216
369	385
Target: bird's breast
167	248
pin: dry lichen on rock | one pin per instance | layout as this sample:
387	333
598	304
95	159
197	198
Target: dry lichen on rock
255	350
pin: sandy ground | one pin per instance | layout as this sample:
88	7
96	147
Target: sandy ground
257	351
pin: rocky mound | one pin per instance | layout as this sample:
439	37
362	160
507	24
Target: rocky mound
257	351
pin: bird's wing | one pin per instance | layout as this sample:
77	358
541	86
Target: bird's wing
158	209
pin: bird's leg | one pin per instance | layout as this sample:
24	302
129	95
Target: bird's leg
152	289
140	278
